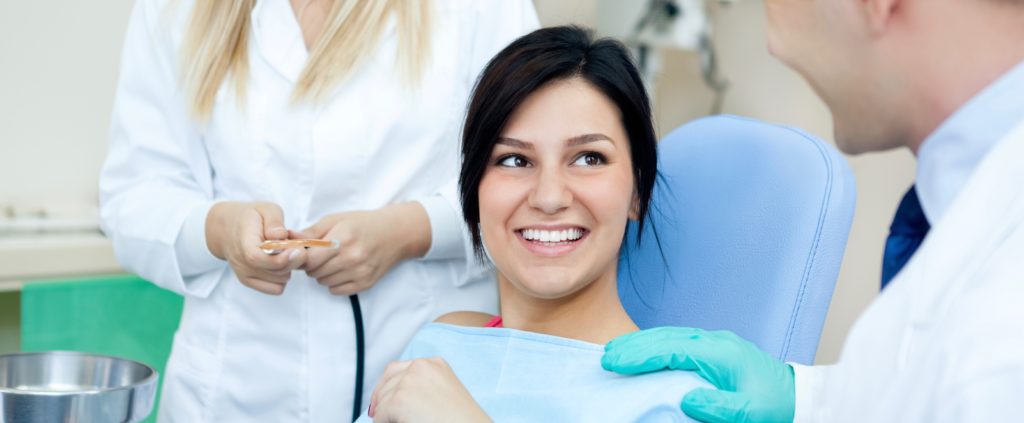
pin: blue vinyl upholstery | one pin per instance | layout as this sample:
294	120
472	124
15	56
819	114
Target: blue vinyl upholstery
752	220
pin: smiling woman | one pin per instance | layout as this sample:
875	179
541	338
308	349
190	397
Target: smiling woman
559	153
570	170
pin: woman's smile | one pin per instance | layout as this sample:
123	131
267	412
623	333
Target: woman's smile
552	241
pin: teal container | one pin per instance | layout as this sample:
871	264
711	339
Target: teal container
122	316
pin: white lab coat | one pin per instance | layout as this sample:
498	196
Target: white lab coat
944	342
240	355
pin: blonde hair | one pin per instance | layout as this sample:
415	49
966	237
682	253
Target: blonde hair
215	47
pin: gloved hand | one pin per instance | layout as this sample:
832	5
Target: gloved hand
753	386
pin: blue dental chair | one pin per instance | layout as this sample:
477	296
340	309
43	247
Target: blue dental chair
752	220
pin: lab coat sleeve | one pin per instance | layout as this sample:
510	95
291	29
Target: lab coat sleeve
447	230
155	185
809	382
494	26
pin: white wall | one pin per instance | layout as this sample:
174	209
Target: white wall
60	65
60	61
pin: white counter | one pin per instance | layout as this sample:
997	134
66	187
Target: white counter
25	258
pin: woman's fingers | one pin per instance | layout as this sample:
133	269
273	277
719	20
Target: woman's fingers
422	387
386	385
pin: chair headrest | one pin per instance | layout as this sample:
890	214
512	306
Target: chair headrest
747	229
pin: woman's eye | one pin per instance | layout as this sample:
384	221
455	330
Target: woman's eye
513	161
589	159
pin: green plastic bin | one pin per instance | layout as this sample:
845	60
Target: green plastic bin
122	315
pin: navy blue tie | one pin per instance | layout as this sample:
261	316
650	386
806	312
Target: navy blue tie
906	234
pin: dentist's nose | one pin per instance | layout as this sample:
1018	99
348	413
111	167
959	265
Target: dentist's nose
551	193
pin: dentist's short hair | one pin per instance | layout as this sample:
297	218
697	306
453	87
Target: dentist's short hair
528	64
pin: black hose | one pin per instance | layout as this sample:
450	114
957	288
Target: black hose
357	314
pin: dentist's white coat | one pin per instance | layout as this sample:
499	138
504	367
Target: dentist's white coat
240	355
943	342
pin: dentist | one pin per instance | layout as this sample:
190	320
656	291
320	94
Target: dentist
944	342
236	119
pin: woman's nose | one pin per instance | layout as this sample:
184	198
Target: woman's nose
551	193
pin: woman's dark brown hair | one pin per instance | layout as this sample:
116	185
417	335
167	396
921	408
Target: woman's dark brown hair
531	62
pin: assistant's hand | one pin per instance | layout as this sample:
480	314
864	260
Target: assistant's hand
372	242
234	231
423	390
753	386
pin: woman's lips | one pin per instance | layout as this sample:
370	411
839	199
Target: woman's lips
551	249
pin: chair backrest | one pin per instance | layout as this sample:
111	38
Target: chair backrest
752	220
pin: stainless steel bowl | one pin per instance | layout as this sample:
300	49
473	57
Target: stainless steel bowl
72	387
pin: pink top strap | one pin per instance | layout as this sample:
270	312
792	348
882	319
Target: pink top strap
494	323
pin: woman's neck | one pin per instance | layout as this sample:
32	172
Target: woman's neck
593	314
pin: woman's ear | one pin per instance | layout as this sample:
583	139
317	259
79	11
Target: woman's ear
634	207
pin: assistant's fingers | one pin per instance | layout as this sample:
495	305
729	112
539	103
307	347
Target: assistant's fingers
279	277
348	288
318	257
308	233
296	258
256	258
251	229
272	218
266	287
344	274
251	237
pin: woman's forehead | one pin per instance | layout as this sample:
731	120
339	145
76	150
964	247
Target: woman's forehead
569	111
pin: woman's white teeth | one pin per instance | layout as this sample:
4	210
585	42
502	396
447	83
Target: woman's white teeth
553	236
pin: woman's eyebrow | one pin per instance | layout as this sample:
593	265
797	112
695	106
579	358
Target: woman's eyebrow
571	142
586	138
514	143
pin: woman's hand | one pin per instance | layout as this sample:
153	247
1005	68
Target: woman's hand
423	390
372	242
234	231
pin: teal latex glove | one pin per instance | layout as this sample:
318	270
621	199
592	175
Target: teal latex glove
753	387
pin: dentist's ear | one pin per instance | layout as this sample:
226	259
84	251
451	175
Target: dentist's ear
879	13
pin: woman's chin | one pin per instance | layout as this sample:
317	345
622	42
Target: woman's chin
550	288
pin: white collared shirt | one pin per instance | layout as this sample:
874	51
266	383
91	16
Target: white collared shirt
949	156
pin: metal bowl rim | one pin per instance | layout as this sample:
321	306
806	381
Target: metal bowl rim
146	381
